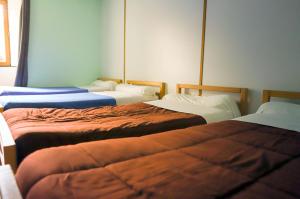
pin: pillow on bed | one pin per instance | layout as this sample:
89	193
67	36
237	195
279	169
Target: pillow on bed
180	98
224	102
100	85
139	90
280	108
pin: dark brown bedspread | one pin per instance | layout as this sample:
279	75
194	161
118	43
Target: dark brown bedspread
229	159
35	129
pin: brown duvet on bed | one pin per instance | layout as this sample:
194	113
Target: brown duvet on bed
35	129
229	159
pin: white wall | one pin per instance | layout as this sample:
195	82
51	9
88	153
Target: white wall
254	44
163	40
7	74
112	38
14	7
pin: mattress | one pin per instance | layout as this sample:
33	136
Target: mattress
9	90
229	159
34	129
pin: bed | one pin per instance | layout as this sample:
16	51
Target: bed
133	91
229	159
101	84
26	130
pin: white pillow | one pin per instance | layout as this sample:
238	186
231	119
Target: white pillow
282	108
139	90
100	85
180	98
224	102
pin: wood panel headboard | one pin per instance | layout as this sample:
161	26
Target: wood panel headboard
160	85
243	92
118	81
267	94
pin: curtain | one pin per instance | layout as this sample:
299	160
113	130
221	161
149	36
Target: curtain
22	71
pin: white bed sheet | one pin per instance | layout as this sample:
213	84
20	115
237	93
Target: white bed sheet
210	114
94	88
123	98
99	85
223	102
283	121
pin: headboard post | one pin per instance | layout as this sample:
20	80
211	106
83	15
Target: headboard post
244	101
161	85
162	92
266	97
178	89
118	81
267	94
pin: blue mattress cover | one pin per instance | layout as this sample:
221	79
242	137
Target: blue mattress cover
74	100
10	90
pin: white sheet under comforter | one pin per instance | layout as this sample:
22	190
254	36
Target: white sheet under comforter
284	121
210	114
126	97
94	88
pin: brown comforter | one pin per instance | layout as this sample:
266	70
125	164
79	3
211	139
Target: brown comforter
229	159
35	129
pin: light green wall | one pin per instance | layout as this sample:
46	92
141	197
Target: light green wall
64	45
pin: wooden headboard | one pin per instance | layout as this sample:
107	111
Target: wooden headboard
160	85
243	92
118	81
267	94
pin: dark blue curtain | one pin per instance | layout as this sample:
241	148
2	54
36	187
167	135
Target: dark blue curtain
22	71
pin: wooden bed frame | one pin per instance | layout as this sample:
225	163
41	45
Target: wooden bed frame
160	85
243	92
8	185
8	150
267	94
118	81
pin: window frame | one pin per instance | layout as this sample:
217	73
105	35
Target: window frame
6	35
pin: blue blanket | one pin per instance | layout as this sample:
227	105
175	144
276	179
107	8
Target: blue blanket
76	100
9	90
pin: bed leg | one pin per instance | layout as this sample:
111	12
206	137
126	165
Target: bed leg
10	157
